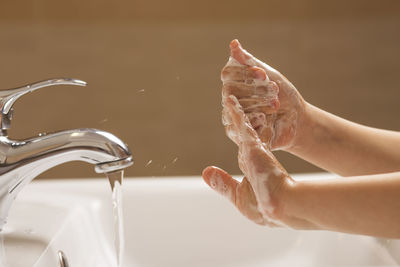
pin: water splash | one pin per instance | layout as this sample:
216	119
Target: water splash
115	179
103	121
2	251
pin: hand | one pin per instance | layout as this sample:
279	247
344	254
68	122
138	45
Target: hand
267	195
259	195
274	106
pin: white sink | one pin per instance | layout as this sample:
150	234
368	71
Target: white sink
50	216
177	222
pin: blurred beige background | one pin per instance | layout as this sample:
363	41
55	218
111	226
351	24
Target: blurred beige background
153	70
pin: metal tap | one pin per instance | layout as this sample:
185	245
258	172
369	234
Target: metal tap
23	160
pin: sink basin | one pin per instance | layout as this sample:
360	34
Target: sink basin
46	218
175	222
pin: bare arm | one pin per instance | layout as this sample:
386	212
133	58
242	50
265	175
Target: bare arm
367	205
344	147
328	141
267	194
258	120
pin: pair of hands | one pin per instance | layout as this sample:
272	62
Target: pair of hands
261	113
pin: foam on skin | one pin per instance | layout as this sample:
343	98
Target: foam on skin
252	154
251	119
264	97
245	134
285	125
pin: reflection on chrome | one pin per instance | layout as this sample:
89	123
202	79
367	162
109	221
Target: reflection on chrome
23	160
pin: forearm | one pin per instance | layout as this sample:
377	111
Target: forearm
344	147
363	205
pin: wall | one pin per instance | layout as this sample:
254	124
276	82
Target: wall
153	70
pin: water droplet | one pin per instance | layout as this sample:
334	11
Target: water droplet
148	163
174	160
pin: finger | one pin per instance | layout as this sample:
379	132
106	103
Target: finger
229	129
264	126
241	55
226	117
245	58
221	181
248	140
260	98
252	153
272	88
257	119
259	73
260	104
231	133
240	194
241	90
241	123
242	73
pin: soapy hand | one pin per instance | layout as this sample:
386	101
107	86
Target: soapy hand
271	102
259	195
263	111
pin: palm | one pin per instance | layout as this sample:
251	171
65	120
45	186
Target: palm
287	115
286	118
264	175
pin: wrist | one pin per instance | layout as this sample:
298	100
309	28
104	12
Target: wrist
291	209
308	130
281	195
279	198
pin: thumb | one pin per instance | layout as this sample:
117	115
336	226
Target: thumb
240	194
241	55
245	58
221	181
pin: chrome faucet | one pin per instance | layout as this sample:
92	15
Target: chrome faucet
21	161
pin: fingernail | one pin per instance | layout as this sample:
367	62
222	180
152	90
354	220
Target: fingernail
231	100
207	171
260	74
234	44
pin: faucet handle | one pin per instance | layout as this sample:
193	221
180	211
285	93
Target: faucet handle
9	96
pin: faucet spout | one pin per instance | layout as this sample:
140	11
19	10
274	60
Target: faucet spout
22	161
